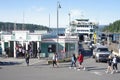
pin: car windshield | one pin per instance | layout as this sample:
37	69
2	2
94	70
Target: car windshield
102	49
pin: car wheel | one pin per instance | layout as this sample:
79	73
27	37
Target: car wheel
93	56
96	59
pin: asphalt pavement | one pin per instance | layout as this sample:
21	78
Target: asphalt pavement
40	70
19	61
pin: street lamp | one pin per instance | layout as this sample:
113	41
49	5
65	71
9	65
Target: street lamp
58	7
69	18
68	36
119	45
49	20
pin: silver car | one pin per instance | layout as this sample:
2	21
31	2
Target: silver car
101	53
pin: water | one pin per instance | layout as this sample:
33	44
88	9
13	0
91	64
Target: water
60	30
53	33
99	32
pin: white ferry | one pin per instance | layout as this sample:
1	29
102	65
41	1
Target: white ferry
83	28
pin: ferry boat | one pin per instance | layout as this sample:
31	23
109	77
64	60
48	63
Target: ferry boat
84	28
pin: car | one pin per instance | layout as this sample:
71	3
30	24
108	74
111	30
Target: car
91	45
101	53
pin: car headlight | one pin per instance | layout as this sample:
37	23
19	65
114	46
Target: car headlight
97	55
90	46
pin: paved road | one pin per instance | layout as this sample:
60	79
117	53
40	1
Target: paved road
18	61
39	70
85	50
42	71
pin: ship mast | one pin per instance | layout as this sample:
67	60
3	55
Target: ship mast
23	22
14	26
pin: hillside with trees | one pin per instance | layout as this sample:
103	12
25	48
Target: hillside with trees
113	27
7	26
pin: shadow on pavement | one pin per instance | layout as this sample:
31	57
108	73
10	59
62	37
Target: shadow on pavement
9	63
87	53
95	68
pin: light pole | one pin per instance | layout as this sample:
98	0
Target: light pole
23	21
49	20
69	18
68	36
119	44
58	7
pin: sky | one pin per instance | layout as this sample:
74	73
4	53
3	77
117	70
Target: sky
44	12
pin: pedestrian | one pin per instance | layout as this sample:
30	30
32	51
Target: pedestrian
27	57
109	62
80	60
55	59
111	51
31	53
73	61
115	62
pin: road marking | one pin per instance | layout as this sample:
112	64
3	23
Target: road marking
97	73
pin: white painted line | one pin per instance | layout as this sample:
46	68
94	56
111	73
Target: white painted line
97	73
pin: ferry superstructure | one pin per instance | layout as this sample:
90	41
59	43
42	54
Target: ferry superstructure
83	28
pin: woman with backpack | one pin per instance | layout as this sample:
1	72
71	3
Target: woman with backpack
115	62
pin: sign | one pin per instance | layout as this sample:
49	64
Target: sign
94	36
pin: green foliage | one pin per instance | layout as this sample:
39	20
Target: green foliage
114	27
7	26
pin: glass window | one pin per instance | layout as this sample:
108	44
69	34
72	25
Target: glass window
91	30
102	49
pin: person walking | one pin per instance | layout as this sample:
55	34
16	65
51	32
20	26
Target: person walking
115	62
109	62
27	57
55	59
73	61
80	60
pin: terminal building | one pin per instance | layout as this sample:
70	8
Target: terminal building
41	43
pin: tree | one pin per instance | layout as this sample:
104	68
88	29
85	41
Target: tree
7	26
113	27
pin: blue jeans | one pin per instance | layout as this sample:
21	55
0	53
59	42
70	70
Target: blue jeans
73	63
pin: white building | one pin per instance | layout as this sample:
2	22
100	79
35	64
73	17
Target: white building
46	42
12	40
